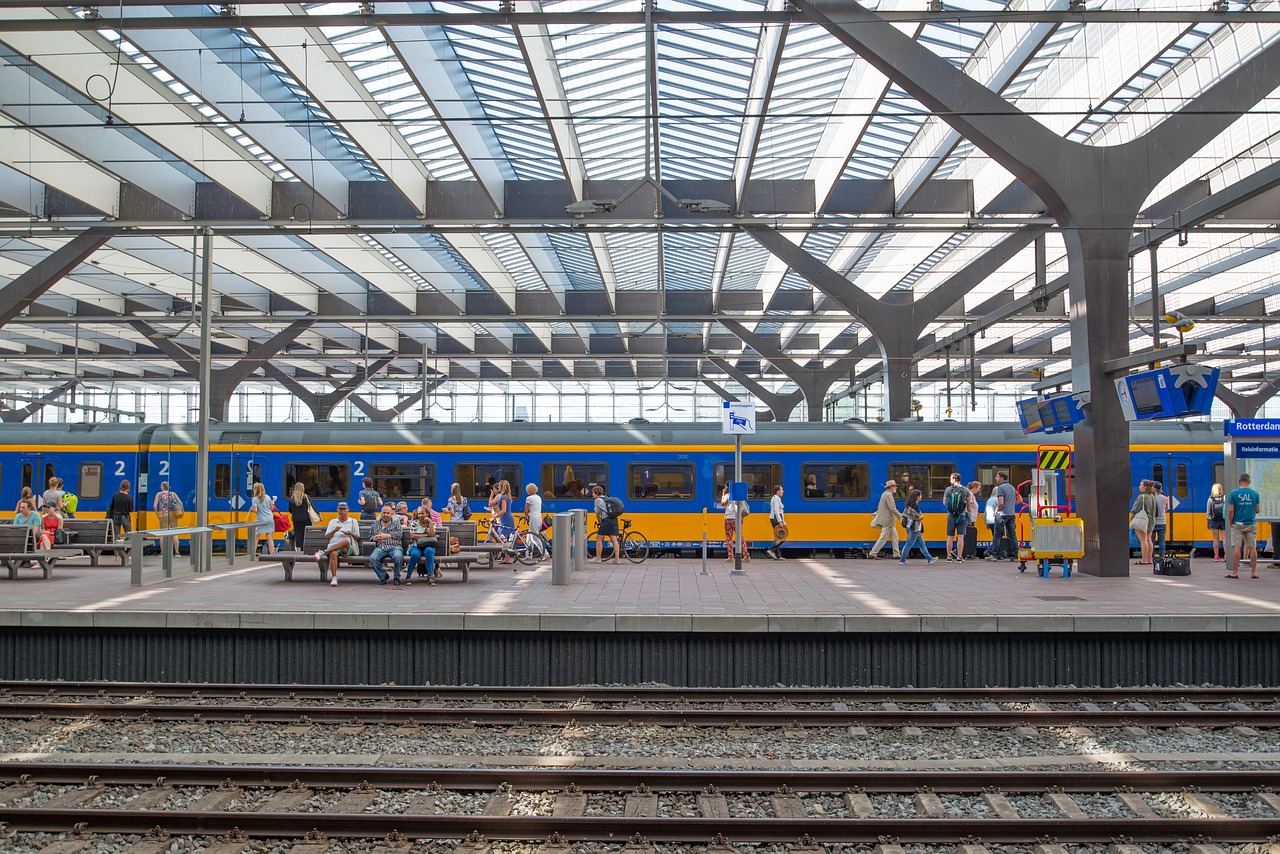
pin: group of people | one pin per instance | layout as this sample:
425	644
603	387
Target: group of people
960	503
386	532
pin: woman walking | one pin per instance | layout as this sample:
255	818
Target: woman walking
1216	514
913	519
263	516
1142	515
120	510
778	522
300	510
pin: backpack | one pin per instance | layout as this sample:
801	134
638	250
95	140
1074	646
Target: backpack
613	506
957	503
175	503
1216	506
70	501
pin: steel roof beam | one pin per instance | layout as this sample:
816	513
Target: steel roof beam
27	288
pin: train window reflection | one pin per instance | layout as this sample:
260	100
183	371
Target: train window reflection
570	480
320	480
932	479
842	481
404	481
90	485
222	480
476	478
660	481
761	478
1019	473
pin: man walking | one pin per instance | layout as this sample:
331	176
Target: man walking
956	500
1005	536
886	519
1242	519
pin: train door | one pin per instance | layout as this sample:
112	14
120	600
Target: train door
35	471
251	470
1174	473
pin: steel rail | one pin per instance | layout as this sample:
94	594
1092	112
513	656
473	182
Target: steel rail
533	716
618	828
622	694
631	780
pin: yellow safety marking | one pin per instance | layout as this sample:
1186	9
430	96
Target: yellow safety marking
1054	460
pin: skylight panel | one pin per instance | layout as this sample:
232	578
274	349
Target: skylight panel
212	114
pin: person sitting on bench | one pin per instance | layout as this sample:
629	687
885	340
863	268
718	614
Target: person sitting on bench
343	537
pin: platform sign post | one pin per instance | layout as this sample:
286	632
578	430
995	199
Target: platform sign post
739	421
1252	445
204	542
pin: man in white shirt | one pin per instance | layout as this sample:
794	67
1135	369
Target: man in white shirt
779	523
343	536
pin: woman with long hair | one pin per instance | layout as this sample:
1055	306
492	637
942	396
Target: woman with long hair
1215	511
300	508
457	505
27	497
913	518
422	531
263	516
1144	504
503	525
50	525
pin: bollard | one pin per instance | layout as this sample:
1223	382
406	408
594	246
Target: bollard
561	549
579	538
704	554
136	543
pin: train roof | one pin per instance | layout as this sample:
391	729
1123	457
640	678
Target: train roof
587	435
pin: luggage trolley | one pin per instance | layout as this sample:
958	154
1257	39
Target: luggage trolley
1057	537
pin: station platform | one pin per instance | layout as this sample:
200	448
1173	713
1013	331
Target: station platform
814	621
797	595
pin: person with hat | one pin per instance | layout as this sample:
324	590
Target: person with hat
343	535
778	521
886	519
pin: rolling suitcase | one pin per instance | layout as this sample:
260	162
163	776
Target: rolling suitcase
1172	566
970	542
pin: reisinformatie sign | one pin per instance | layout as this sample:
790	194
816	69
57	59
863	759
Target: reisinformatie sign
1255	444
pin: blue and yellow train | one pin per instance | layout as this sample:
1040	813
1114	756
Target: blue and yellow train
668	474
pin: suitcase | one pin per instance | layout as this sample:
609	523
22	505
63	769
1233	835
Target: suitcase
1172	566
970	542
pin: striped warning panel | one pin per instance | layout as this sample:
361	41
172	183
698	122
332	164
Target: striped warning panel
1055	460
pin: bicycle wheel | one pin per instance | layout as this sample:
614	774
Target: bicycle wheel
635	547
529	549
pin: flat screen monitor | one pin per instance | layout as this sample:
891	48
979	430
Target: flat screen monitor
1030	415
1146	397
1062	410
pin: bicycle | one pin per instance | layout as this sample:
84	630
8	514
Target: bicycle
635	545
524	546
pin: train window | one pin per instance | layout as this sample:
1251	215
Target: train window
320	480
222	480
571	480
932	479
476	477
403	481
90	484
761	478
1219	472
1157	473
660	481
1019	473
839	481
26	475
1180	480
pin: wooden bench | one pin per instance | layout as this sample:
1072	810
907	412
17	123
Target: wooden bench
17	547
466	534
314	540
91	537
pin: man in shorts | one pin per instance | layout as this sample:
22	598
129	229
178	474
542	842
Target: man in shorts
608	529
1242	519
343	537
955	499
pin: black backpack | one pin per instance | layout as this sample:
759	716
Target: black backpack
613	506
957	502
1216	505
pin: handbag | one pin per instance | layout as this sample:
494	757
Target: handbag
312	514
283	522
425	542
466	511
454	547
60	537
1140	521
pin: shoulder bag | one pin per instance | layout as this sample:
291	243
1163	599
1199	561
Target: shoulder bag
311	512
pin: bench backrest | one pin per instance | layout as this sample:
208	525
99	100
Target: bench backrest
15	539
313	539
88	530
465	531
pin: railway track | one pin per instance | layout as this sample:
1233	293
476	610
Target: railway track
614	806
994	708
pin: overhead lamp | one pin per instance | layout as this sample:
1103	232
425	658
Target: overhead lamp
1076	6
710	206
589	206
1179	321
1220	6
936	6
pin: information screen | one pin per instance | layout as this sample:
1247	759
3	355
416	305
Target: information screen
1030	415
1062	410
1145	396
